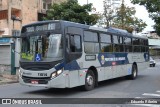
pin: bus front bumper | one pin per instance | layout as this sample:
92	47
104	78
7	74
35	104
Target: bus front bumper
57	82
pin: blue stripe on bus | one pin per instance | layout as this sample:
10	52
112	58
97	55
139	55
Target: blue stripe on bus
111	59
105	59
72	66
59	66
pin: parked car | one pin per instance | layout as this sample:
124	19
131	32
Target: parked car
152	62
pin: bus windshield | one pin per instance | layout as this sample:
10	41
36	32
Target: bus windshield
42	47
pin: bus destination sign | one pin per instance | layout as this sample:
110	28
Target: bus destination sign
48	26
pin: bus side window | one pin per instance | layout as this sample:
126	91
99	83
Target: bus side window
67	43
75	43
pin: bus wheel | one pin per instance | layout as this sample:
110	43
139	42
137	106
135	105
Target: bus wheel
89	81
134	72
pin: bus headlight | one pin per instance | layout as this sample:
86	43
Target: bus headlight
55	74
20	73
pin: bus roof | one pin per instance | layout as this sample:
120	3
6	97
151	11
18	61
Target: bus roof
110	30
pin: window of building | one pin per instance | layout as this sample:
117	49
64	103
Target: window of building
49	6
44	6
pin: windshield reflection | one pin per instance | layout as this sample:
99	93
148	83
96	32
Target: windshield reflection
42	48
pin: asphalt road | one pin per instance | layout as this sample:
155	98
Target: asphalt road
147	85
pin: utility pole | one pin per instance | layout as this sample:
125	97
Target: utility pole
13	68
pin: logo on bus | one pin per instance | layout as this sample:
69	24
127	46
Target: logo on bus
102	59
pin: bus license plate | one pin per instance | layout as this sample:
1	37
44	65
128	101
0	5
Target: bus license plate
34	81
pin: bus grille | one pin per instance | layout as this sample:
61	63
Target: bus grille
38	66
43	80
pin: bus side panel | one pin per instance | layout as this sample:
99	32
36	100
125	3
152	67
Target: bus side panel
108	72
140	59
82	74
73	78
101	75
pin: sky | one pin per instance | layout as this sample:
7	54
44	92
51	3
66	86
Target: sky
141	11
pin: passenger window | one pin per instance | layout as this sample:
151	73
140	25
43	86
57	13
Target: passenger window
90	36
115	39
105	38
75	43
127	41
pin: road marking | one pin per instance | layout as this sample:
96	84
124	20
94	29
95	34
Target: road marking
150	94
139	97
147	105
158	91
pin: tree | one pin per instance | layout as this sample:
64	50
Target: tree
108	12
153	7
125	19
72	11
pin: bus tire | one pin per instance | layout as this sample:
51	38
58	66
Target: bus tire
134	72
89	81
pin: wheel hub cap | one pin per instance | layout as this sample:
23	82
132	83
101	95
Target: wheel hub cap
89	80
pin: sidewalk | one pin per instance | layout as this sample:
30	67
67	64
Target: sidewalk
5	75
8	79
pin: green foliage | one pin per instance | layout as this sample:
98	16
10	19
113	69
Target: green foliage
153	7
108	12
72	11
125	19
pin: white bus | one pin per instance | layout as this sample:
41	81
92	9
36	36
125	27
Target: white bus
62	54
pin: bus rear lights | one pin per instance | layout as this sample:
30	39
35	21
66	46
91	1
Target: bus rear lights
55	74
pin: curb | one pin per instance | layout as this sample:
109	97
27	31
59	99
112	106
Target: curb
8	79
8	82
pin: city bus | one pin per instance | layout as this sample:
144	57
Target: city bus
63	54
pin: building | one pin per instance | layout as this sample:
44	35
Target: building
151	35
16	13
26	11
154	43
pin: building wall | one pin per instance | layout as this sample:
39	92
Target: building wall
5	55
3	4
29	11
